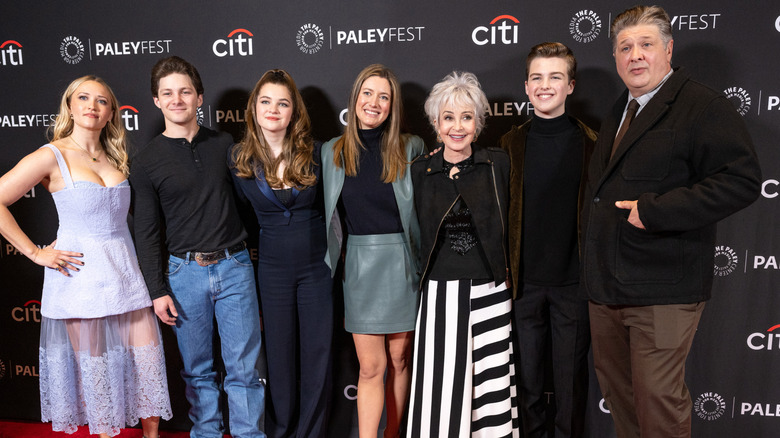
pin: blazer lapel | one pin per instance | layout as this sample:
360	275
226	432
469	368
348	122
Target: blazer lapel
268	192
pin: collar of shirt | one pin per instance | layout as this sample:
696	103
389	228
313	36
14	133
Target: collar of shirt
643	99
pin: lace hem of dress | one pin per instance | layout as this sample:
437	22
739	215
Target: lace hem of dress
107	392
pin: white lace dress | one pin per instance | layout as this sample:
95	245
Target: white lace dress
101	355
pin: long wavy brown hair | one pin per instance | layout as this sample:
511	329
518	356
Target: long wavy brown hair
253	152
346	150
113	136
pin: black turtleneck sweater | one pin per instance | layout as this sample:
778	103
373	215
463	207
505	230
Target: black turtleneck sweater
368	202
551	181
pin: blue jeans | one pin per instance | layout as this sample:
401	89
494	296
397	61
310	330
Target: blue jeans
226	290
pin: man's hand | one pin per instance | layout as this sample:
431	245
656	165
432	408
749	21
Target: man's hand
165	309
633	217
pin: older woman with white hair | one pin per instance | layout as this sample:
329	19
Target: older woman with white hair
463	377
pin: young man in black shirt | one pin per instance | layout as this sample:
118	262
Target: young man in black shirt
183	201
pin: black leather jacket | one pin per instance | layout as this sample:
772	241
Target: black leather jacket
483	187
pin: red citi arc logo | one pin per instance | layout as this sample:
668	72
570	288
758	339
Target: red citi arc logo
30	312
11	53
129	116
765	341
504	29
238	42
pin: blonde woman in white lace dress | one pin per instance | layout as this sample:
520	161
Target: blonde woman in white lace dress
101	357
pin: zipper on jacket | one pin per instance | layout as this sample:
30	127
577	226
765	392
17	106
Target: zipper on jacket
436	239
503	230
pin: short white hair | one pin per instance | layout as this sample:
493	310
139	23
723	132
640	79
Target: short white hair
457	89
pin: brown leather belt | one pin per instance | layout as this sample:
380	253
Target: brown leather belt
212	257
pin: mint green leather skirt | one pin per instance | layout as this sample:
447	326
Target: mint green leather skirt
380	285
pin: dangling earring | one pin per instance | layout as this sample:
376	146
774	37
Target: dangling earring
71	115
438	138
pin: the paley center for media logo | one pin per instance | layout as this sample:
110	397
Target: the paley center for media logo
585	26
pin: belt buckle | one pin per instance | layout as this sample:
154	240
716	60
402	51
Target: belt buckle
206	258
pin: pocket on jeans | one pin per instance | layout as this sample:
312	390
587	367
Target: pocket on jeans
174	266
241	258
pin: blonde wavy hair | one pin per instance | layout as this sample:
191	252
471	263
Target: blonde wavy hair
346	150
297	149
113	137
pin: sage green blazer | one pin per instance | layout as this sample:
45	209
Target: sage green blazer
333	181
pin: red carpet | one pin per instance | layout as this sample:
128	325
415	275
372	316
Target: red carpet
18	429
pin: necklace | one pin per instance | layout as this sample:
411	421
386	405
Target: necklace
94	159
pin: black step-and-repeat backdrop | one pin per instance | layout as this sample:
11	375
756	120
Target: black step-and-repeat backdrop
731	46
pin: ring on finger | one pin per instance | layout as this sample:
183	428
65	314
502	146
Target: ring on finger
61	263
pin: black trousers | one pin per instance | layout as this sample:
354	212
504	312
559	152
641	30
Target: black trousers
543	313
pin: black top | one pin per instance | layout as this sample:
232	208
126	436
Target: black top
458	254
553	167
182	195
285	196
368	203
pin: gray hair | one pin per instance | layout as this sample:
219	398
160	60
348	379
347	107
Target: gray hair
639	15
457	89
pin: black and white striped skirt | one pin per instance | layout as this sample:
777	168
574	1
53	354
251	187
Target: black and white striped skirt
463	382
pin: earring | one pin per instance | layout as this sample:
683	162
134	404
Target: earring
71	115
438	138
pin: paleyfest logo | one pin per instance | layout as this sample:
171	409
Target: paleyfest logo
585	26
72	50
310	38
740	98
709	406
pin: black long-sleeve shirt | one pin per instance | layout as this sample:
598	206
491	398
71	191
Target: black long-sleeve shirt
182	196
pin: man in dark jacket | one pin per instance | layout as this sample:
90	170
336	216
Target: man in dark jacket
660	179
549	156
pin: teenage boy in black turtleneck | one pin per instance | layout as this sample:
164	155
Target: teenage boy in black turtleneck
549	155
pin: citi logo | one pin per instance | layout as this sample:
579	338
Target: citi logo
769	188
740	98
11	53
764	341
238	43
30	312
129	116
504	29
